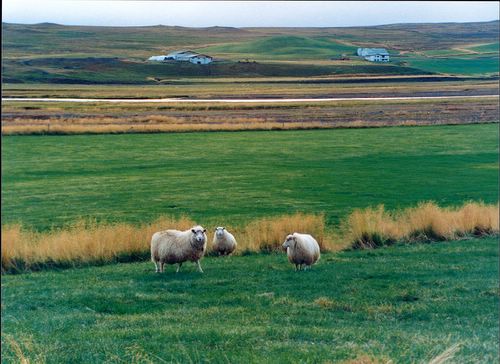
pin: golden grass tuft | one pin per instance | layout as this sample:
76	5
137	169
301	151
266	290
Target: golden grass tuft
23	351
366	228
367	359
86	241
268	234
323	302
427	221
155	126
80	242
446	356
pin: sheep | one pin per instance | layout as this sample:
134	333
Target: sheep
177	247
302	249
224	242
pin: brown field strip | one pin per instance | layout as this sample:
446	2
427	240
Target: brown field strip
58	118
259	88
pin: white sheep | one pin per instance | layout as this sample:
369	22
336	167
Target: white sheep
302	249
224	242
177	247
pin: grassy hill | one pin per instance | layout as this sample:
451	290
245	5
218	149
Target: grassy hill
404	303
284	47
51	53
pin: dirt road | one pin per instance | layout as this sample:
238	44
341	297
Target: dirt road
249	101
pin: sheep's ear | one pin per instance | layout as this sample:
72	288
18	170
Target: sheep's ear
204	230
223	228
192	230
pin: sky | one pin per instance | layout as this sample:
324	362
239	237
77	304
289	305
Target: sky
245	13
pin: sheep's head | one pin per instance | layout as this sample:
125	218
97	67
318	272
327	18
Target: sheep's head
199	236
290	241
219	231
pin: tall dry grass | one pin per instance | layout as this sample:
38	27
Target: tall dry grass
75	129
89	242
162	124
372	227
23	350
268	234
58	128
81	242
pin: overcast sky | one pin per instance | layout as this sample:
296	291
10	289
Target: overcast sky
244	13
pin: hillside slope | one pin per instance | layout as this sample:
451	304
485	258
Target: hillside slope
51	53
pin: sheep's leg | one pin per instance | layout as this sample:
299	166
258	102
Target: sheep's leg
199	266
178	267
156	267
161	266
296	267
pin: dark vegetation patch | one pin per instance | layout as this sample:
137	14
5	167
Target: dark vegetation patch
92	70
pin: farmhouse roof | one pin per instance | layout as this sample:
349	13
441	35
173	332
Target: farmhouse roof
201	56
374	51
175	53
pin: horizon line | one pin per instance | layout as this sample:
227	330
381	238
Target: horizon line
243	27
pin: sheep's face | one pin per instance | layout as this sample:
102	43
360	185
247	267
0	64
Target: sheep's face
219	232
198	235
289	242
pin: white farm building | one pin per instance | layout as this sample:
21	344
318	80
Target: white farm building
183	56
157	58
200	59
374	54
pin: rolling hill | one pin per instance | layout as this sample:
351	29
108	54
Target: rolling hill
52	53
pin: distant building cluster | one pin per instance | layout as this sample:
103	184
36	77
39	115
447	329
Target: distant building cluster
374	54
183	56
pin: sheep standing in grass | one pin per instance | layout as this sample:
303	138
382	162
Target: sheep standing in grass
177	247
224	242
302	250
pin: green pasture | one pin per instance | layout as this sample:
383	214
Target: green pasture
407	304
232	177
458	65
283	47
486	48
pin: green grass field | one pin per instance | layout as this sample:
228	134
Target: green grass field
491	47
458	65
405	303
232	177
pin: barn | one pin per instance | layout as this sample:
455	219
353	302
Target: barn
200	59
374	54
183	56
157	58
